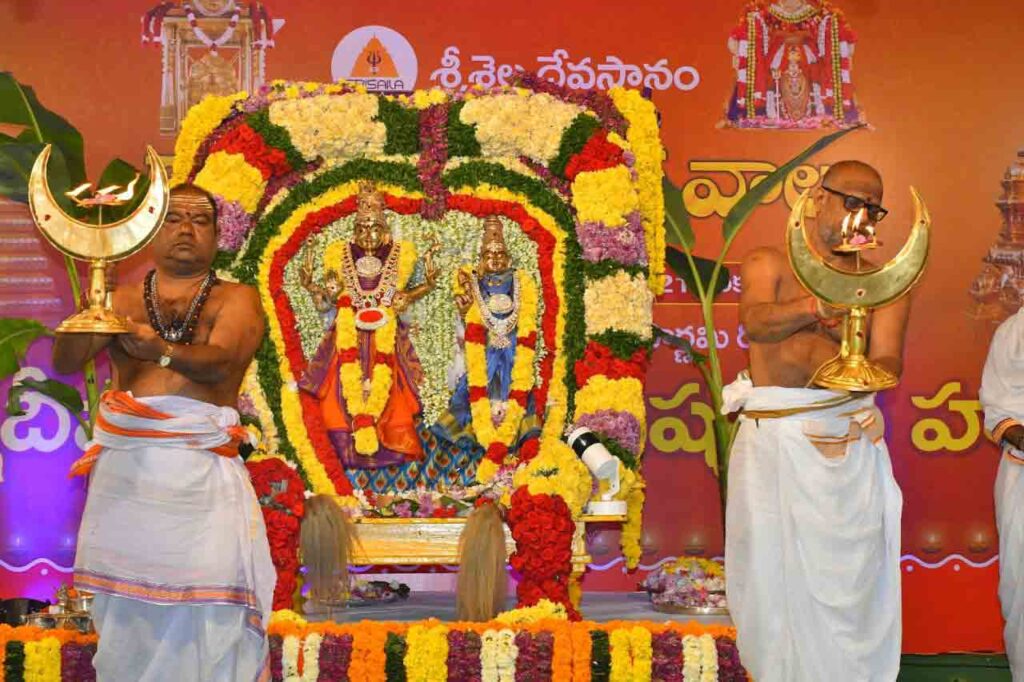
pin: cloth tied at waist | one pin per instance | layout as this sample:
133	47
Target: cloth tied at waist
831	419
123	421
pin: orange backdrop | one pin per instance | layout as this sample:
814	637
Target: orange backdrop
939	84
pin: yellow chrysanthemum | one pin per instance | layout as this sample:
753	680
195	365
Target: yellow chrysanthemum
231	177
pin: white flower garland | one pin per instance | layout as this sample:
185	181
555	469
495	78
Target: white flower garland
700	659
290	659
212	43
311	657
498	653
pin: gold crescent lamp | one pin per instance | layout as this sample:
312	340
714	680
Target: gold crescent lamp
857	292
98	244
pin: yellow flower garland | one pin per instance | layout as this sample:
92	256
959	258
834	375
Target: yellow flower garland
381	377
199	122
602	393
621	669
543	610
606	196
645	141
519	122
42	660
335	127
557	470
426	658
522	378
631	489
231	176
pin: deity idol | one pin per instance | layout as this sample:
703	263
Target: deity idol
793	60
493	400
365	372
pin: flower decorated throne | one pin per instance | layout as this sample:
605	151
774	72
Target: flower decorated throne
335	202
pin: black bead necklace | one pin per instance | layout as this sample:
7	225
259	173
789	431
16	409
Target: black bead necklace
180	330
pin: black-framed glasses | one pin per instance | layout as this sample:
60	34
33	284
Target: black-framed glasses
853	204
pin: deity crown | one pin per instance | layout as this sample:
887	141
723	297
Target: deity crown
494	232
369	203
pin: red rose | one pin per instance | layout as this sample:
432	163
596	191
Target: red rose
477	393
529	449
496	452
476	333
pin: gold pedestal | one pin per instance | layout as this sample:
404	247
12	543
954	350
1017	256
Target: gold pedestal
851	370
98	318
403	542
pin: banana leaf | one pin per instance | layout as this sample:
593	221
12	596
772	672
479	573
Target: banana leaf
16	334
16	160
678	229
66	395
20	106
679	264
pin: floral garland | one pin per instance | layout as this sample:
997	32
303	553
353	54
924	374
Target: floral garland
597	245
543	530
498	439
212	43
366	409
283	508
302	651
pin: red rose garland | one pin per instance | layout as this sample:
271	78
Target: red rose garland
543	530
598	359
242	139
282	516
597	154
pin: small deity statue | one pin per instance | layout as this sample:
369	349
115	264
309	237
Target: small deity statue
365	372
793	61
493	400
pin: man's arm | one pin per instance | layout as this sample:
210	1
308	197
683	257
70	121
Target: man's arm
237	333
888	332
765	319
1001	385
72	351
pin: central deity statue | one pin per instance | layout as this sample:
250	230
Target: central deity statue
365	372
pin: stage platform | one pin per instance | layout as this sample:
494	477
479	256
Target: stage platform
599	607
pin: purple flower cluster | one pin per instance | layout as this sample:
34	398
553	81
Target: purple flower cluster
730	669
561	185
276	655
463	656
335	657
433	157
667	657
234	223
76	663
621	244
622	427
533	664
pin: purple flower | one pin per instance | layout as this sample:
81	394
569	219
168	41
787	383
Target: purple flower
335	657
403	509
76	663
427	505
622	427
730	669
667	657
463	656
234	223
433	157
621	244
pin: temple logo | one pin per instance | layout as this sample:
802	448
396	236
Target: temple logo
378	57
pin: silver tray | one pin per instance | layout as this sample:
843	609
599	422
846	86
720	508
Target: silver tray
691	610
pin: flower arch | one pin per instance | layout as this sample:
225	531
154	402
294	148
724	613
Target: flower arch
579	175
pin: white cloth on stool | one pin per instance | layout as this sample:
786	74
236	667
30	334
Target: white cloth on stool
173	543
1002	398
813	538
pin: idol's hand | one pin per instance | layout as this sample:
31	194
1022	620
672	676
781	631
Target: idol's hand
462	302
142	342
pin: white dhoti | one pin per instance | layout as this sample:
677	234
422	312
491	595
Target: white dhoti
1002	398
173	544
812	537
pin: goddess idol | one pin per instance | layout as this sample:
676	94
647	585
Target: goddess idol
364	373
493	400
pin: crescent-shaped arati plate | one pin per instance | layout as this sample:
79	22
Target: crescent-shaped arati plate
85	241
871	289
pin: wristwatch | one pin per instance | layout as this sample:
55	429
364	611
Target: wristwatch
165	359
